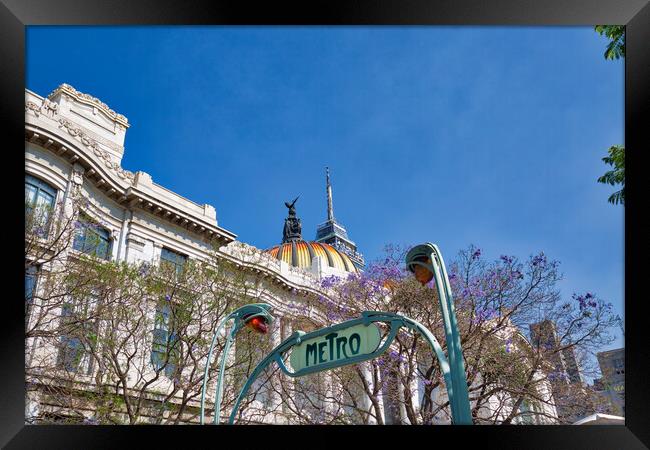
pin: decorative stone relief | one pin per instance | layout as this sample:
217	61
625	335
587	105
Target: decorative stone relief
33	107
94	146
112	145
88	98
49	108
77	176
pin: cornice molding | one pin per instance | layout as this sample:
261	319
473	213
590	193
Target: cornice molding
82	147
117	183
76	131
89	99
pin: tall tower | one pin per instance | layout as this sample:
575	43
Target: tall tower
545	334
567	376
333	233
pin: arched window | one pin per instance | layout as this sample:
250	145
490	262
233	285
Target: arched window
91	238
39	203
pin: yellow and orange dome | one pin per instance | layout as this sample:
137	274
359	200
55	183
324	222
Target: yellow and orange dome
301	254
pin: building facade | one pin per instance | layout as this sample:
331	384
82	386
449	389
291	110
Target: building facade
612	383
573	397
74	144
544	334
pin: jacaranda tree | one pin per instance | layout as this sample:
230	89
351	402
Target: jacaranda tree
514	377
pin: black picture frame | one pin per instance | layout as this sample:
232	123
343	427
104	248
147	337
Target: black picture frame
635	14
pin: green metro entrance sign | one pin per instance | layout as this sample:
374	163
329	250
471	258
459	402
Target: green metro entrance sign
335	347
352	342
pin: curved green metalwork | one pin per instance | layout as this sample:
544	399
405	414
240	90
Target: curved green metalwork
241	316
452	336
396	321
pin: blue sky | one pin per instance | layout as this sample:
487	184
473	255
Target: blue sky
456	135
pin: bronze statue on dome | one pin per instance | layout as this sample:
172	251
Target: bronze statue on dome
292	226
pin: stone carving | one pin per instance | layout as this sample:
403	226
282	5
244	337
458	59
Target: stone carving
49	108
103	141
94	146
292	226
77	174
33	107
89	98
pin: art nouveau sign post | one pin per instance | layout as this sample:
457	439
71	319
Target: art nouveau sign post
258	317
361	339
426	263
346	343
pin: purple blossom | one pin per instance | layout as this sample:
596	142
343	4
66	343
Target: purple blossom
144	269
554	376
539	260
476	254
329	282
506	259
484	314
583	300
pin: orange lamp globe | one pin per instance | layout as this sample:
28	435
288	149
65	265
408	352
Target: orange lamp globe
258	324
422	274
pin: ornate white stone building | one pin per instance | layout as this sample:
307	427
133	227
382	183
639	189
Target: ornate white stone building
74	144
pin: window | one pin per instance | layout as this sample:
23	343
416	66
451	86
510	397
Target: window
91	238
72	350
527	417
164	348
174	260
77	330
39	203
30	286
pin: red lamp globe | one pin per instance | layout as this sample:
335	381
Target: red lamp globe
258	324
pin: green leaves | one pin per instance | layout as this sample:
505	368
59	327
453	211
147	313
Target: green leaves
615	50
616	158
616	35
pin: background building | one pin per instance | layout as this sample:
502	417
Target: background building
566	378
612	383
544	334
333	233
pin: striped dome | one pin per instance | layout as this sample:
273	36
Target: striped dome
301	253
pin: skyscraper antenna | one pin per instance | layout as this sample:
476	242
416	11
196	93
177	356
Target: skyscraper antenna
330	207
